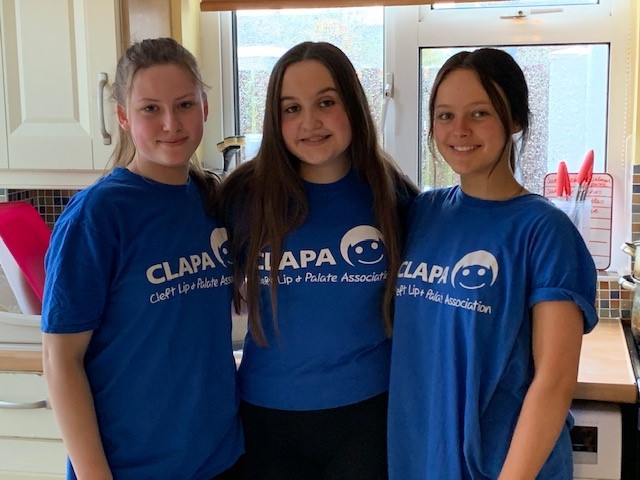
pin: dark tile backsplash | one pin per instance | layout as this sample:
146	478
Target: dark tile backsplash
612	300
49	203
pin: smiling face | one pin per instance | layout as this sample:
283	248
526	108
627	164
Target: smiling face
165	113
362	244
473	277
367	252
315	125
475	270
466	127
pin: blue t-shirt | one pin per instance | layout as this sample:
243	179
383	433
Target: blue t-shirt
330	348
462	361
140	264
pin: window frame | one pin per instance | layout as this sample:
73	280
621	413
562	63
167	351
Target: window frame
225	5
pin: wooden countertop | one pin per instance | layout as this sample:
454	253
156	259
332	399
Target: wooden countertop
605	372
13	359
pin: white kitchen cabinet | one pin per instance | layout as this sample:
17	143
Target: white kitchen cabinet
4	158
53	52
31	446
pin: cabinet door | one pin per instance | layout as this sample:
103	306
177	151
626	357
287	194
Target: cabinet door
4	157
30	442
53	53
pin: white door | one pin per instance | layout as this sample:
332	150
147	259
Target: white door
54	51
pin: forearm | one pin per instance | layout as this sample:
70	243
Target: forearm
556	338
73	407
541	419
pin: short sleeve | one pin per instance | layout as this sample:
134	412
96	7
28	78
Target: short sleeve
79	267
562	267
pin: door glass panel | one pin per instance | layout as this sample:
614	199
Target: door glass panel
260	43
568	87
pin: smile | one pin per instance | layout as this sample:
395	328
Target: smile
463	149
315	139
172	143
371	262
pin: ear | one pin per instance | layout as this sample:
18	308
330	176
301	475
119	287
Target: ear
515	128
205	106
122	118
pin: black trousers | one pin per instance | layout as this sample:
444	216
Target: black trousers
345	443
232	473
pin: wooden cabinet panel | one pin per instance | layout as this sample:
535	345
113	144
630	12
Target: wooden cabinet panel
4	152
30	390
31	459
30	476
30	443
53	52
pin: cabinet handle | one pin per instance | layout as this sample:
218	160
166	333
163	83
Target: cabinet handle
102	81
26	405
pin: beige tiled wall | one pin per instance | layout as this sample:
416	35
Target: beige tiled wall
612	300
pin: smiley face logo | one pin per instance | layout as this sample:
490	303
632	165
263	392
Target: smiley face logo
362	244
220	246
475	270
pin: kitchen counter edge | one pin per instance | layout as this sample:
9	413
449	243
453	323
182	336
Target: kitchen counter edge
605	373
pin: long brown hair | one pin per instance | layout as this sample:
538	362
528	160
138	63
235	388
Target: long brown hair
145	54
264	199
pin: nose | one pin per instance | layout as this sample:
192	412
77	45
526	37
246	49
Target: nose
171	121
461	126
310	119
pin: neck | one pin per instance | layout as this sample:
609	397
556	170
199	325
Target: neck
160	173
326	174
498	187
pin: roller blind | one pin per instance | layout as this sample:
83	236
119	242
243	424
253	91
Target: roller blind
222	5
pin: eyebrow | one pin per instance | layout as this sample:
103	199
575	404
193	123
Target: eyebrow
472	104
182	97
321	92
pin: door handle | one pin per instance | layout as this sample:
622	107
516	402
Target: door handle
25	405
102	81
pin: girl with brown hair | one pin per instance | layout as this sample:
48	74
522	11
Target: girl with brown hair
488	326
315	223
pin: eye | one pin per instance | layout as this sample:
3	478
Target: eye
291	108
444	116
480	113
328	102
186	105
150	108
